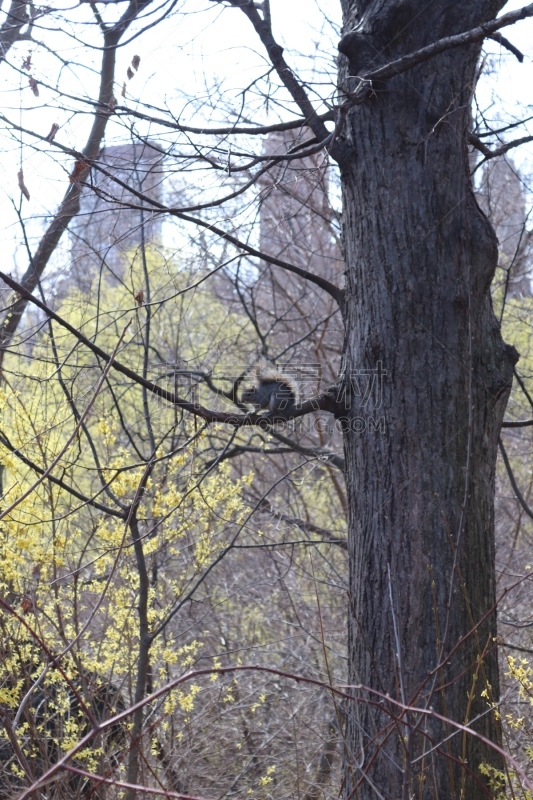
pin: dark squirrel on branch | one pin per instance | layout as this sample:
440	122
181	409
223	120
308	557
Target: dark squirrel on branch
272	391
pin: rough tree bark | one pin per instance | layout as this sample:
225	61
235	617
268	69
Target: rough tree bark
420	257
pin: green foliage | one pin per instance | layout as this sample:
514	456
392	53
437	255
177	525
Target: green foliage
69	566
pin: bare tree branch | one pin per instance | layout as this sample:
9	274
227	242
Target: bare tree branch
497	37
248	130
267	508
286	75
459	40
500	151
514	484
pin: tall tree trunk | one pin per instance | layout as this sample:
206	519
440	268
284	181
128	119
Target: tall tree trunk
420	258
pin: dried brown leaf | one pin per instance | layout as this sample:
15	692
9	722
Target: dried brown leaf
53	130
27	604
78	171
22	185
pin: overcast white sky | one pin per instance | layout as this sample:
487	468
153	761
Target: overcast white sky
199	45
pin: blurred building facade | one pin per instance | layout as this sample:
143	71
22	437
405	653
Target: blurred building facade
299	224
113	222
502	196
